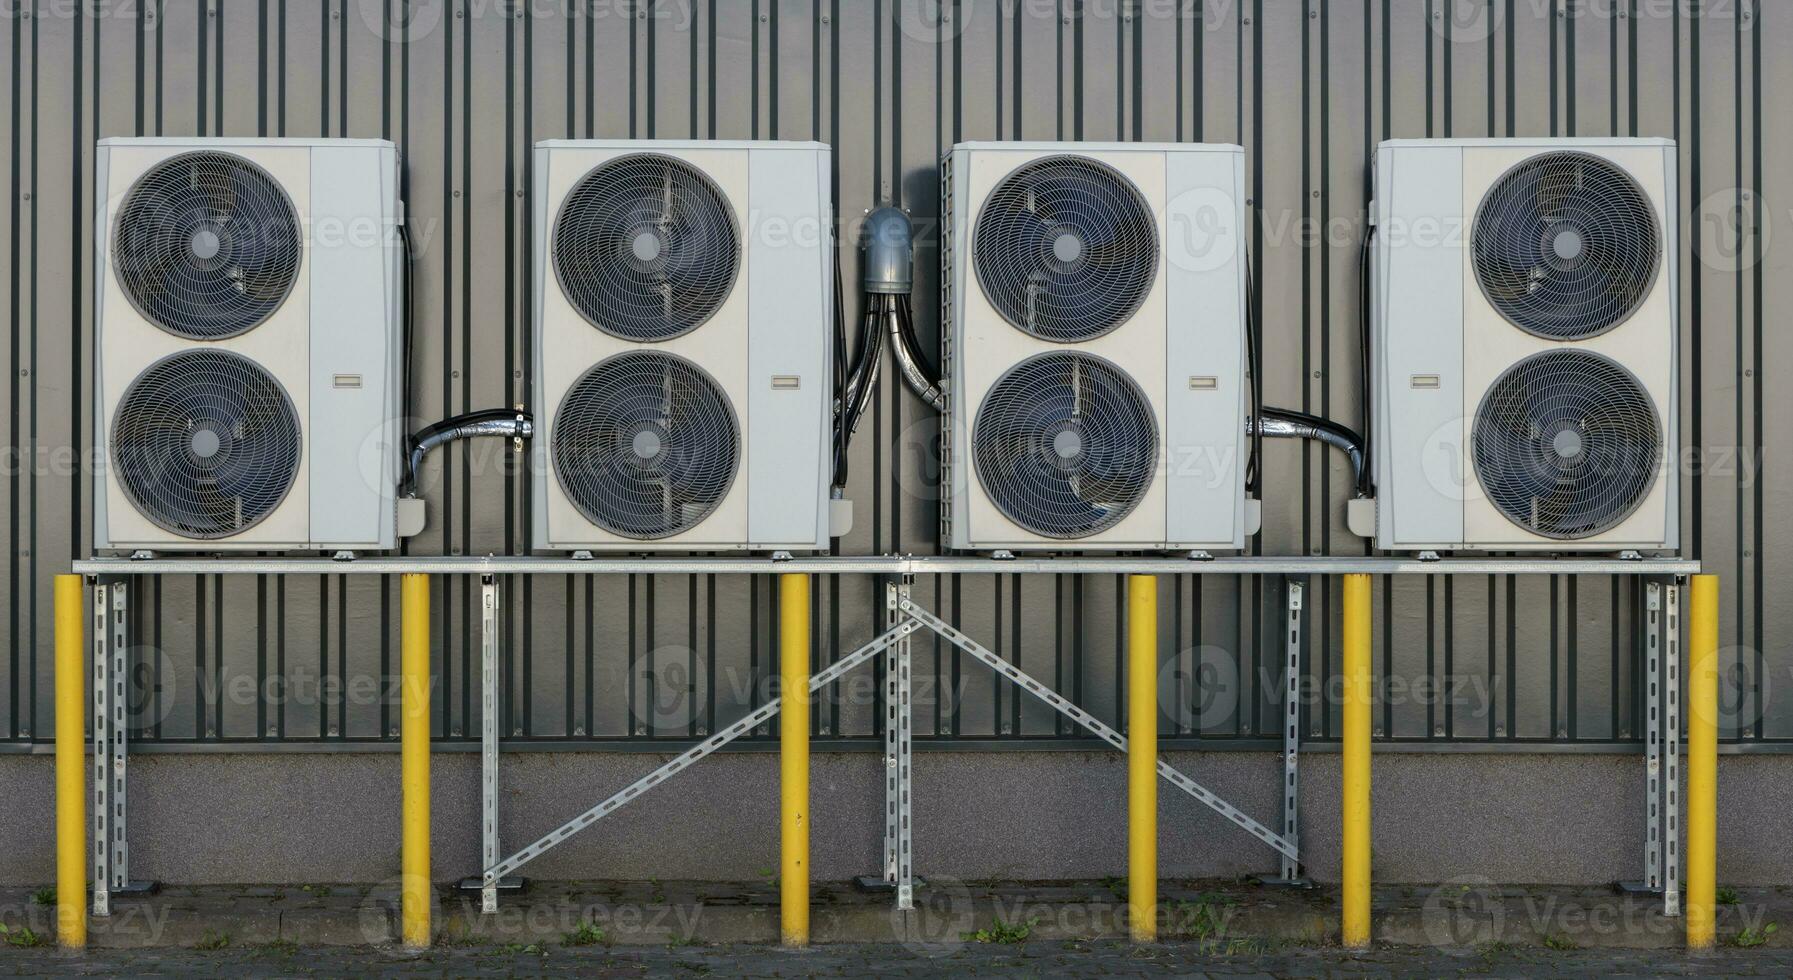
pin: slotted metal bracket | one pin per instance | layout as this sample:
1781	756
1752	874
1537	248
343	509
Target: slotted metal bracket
1671	752
102	744
1095	726
899	866
1291	734
119	730
1662	744
488	738
494	872
1652	736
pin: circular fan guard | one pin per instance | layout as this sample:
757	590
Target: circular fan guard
646	248
205	443
206	245
1065	444
1065	248
1566	246
1566	444
646	444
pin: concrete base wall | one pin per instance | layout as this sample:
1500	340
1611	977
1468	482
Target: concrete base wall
1547	819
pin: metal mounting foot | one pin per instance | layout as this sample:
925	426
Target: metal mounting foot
510	884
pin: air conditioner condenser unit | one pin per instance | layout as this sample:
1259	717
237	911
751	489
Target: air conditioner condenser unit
1525	313
684	304
1093	345
248	344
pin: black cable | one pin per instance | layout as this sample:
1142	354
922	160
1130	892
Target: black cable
1332	433
1253	476
409	317
906	325
504	422
855	396
1367	487
840	329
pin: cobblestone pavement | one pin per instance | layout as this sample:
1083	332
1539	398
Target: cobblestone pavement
1021	960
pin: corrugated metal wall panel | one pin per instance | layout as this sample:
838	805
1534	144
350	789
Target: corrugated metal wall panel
465	86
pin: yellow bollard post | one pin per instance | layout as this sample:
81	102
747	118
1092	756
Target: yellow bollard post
1354	922
1702	763
1142	757
793	758
71	763
414	751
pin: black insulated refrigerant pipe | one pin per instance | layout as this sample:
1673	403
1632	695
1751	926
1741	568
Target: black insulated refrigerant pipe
888	277
889	272
497	422
1285	423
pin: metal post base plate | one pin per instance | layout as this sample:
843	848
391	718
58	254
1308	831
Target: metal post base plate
874	883
513	883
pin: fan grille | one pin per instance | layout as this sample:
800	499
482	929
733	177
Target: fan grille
1566	444
205	443
206	245
1065	444
645	247
1566	246
646	444
1065	248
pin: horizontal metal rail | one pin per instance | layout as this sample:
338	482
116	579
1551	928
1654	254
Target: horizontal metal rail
884	565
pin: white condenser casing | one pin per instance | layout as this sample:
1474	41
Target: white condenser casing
248	344
1525	311
1093	346
684	315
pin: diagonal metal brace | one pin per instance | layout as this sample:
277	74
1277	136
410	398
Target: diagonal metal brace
684	760
1058	703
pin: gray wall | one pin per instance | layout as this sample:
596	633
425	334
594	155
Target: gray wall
1308	88
1529	818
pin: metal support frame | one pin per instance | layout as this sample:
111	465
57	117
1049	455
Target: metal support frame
111	855
886	565
1291	735
494	873
1652	736
1671	774
102	741
111	729
1059	703
1662	744
488	738
899	862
